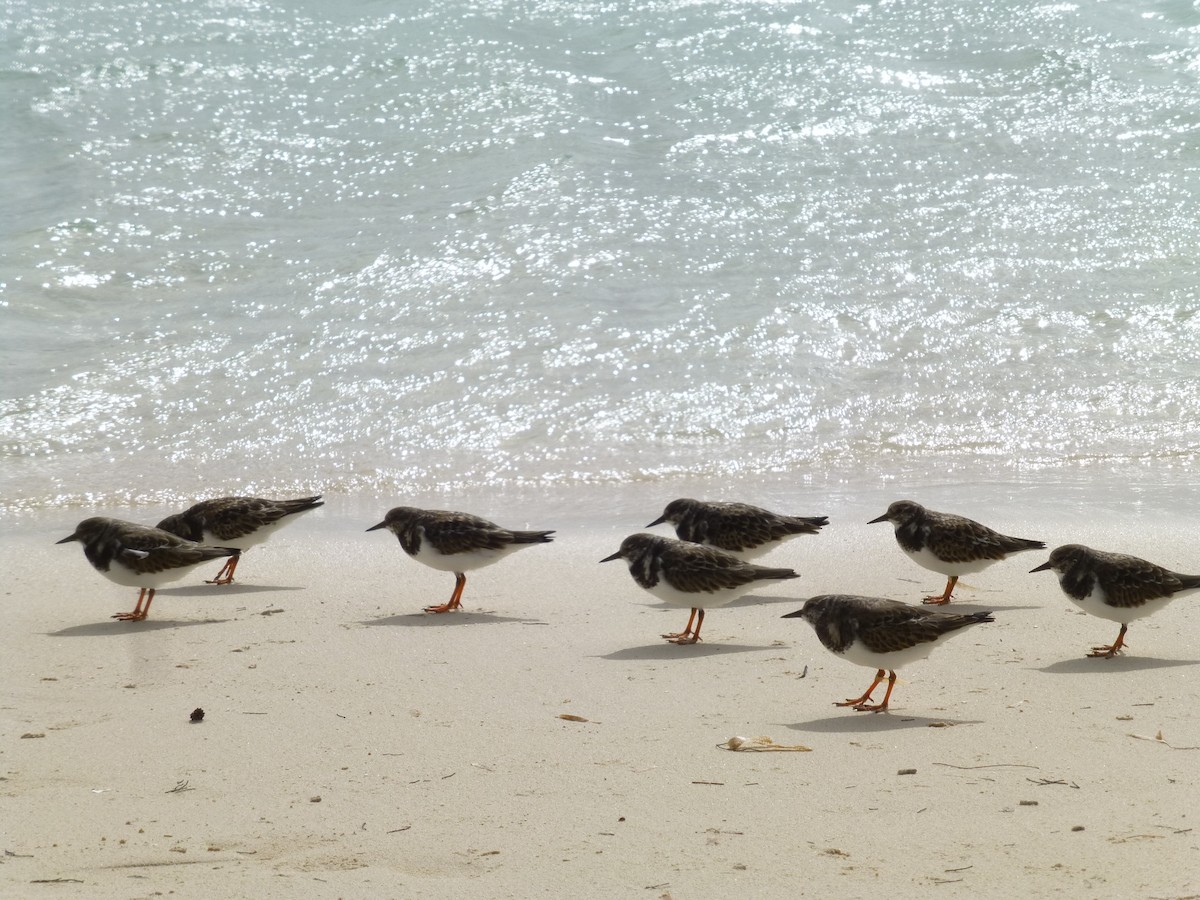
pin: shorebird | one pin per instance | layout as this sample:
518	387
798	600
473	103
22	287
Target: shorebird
690	575
880	634
455	542
1115	586
949	544
738	528
241	522
139	556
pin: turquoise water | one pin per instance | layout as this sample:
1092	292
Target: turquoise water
437	248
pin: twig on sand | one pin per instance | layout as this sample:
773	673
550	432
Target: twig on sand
1045	781
989	766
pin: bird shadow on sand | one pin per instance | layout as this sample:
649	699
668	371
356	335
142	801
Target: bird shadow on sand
422	619
668	651
763	600
1085	665
855	722
220	590
115	628
740	602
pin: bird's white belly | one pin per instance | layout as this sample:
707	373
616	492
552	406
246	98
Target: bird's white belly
1094	604
699	600
119	574
460	562
859	654
927	560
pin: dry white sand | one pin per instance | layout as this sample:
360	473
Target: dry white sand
353	746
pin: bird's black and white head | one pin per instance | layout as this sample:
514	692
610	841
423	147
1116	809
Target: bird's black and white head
901	513
676	511
637	548
814	610
831	618
397	519
89	530
1063	559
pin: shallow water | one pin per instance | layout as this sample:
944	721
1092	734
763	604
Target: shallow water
444	248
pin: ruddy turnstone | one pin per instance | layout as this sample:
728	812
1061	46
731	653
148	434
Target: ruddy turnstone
949	544
738	528
139	556
880	634
454	542
1114	586
681	573
241	522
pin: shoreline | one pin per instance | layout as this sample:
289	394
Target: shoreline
1072	490
1076	497
437	751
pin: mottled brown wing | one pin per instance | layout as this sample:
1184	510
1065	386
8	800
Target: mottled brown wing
743	527
230	518
697	569
889	629
451	533
219	515
1129	582
959	539
236	517
740	526
151	550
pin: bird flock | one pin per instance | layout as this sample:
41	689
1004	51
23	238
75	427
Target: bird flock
708	565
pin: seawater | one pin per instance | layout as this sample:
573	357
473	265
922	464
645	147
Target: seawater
427	248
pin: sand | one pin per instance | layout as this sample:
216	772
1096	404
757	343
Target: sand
353	746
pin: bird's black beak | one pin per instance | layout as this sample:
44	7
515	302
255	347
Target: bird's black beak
67	540
377	527
882	518
616	555
1042	568
657	521
792	615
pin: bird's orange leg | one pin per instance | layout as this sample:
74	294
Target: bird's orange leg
139	612
943	598
687	636
455	601
225	576
1117	645
859	701
879	707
